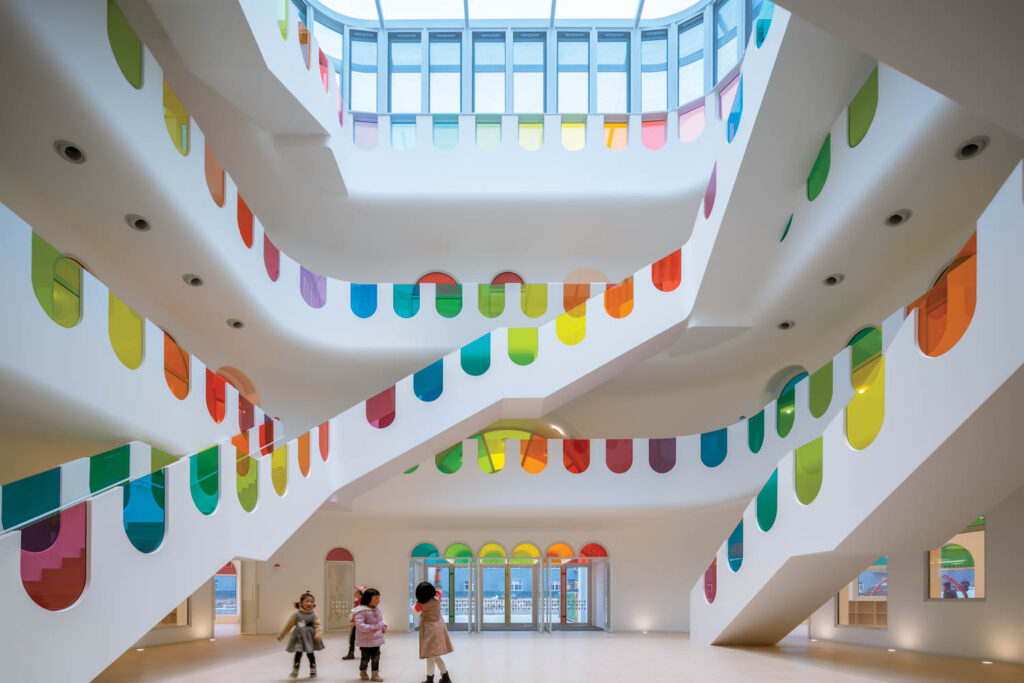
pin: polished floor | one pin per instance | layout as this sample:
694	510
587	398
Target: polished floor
569	657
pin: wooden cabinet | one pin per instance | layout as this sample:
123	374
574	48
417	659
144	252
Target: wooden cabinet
868	613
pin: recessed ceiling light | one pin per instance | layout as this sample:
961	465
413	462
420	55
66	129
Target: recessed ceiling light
972	148
137	222
235	323
833	279
898	217
786	325
69	151
986	661
192	280
892	649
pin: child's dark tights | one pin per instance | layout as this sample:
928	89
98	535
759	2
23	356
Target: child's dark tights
309	655
371	656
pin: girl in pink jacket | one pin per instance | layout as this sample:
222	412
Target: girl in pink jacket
370	630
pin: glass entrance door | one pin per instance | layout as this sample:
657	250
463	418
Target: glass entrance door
569	592
507	593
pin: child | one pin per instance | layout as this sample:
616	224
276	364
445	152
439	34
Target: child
434	640
357	595
307	636
370	630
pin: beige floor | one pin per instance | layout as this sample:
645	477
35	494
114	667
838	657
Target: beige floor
561	657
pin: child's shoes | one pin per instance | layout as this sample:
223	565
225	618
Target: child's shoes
444	678
376	676
295	672
312	672
363	676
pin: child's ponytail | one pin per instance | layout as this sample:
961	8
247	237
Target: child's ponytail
303	597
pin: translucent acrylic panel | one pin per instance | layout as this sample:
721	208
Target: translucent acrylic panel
424	550
204	482
176	119
405	299
54	577
616	135
618	298
619	455
574	298
492	553
403	134
691	124
271	259
304	453
363	71
821	390
380	409
531	134
143	511
653	133
732	123
363	300
246	415
491	300
819	172
560	551
714	447
304	42
29	498
755	432
489	72
528	73
785	406
448	300
364	132
522	345
534	457
734	548
488	135
330	40
245	222
654	70
281	7
574	135
405	56
573	72
767	504
944	312
866	410
691	61
428	383
108	469
508	278
445	72
126	46
613	72
667	273
125	328
711	192
727	38
809	463
214	176
526	553
449	460
279	469
247	480
176	368
325	69
475	357
323	432
460	553
726	96
312	287
762	14
266	435
576	455
446	133
662	454
861	111
571	328
57	283
711	582
534	300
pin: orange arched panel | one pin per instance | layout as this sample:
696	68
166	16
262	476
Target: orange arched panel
216	396
324	433
214	177
176	367
618	299
560	551
574	299
437	278
535	454
304	454
244	222
946	310
576	455
668	272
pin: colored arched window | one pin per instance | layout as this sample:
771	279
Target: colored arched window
380	409
652	132
303	454
143	513
304	42
768	502
534	300
574	134
279	469
449	460
492	553
714	446
734	548
428	383
619	455
245	222
343	555
507	278
562	551
821	390
866	410
425	550
312	287
214	177
282	17
618	298
29	498
227	570
711	582
176	120
204	479
661	454
808	462
785	406
247	480
525	553
57	282
125	328
458	553
691	124
711	191
67	553
176	368
593	550
491	300
574	298
271	259
616	134
475	357
125	45
755	432
522	345
437	278
945	311
324	437
535	454
667	273
576	455
246	414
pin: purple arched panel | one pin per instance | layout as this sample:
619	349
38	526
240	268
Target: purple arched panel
313	288
662	454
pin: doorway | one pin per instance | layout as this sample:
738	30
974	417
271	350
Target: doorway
340	581
507	594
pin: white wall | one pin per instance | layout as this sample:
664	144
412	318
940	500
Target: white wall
200	622
653	558
991	628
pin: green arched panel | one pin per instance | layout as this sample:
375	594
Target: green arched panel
448	300
125	328
785	407
491	300
862	110
809	463
821	390
30	498
734	548
109	469
57	283
126	46
768	502
459	553
425	550
819	172
522	345
755	432
279	469
247	480
203	479
450	459
475	357
956	557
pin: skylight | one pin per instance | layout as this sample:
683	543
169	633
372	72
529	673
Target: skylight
595	9
509	9
397	10
656	9
357	9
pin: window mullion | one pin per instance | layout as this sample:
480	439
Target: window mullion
672	65
710	54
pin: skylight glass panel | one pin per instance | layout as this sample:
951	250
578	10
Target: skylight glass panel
404	65
613	72
656	9
357	9
727	22
363	71
489	72
445	72
330	41
654	70
509	9
691	61
528	48
398	10
595	9
574	72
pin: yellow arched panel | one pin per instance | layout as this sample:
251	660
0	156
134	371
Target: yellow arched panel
279	469
525	553
571	328
492	553
177	120
866	410
126	333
